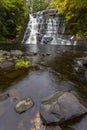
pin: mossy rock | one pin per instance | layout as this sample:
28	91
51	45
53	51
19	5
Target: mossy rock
12	74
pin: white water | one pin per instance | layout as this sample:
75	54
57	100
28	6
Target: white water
51	27
33	26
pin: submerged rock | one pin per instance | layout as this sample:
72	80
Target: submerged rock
14	95
61	107
3	96
24	105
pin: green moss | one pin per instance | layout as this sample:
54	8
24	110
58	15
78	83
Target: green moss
20	63
1	59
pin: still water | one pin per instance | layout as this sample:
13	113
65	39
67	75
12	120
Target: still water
58	72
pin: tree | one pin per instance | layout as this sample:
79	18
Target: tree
75	12
37	5
12	13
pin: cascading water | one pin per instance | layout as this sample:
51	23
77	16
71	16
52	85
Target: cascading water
33	30
46	28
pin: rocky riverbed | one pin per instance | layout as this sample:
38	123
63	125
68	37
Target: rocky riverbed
54	88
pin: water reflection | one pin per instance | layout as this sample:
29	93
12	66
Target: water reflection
58	76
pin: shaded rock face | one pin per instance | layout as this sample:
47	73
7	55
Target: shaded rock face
24	105
61	107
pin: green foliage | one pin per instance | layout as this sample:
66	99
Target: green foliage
1	59
20	63
37	5
12	13
75	12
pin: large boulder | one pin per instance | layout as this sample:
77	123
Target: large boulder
60	107
24	105
6	65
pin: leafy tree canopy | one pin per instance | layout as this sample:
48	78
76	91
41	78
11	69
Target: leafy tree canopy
37	5
12	13
75	12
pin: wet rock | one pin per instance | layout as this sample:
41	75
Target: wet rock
24	105
60	107
1	52
31	53
7	57
6	65
12	74
34	67
4	53
47	40
3	96
16	52
44	54
27	58
48	54
82	61
43	63
10	59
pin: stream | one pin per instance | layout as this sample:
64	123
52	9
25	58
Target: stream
59	71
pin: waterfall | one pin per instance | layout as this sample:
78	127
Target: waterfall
46	28
33	30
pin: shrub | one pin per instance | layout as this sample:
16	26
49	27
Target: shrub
20	63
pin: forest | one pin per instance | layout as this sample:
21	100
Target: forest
12	15
14	12
75	12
